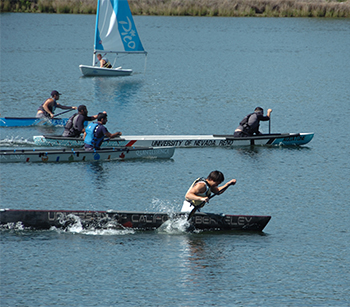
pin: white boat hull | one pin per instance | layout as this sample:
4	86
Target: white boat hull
183	141
80	155
101	71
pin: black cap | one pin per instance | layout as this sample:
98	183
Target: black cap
54	93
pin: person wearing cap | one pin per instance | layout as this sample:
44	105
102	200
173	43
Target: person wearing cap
96	132
251	123
75	124
104	62
47	109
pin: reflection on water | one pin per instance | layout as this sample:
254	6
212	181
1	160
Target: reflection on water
250	151
257	152
199	254
200	260
49	130
120	90
97	174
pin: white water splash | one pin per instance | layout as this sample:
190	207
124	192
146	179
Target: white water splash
160	205
13	226
178	225
110	228
175	224
14	141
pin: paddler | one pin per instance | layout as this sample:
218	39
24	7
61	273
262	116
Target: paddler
75	124
199	192
47	109
96	132
250	124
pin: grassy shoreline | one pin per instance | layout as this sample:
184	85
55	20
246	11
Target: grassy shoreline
220	8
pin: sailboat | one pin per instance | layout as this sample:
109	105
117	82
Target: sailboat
115	33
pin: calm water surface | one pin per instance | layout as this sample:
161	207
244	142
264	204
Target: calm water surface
203	75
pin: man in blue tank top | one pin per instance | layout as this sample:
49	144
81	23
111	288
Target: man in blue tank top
96	132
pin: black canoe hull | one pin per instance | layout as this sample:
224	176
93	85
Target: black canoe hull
45	219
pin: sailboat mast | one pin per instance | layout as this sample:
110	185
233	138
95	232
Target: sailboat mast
94	59
97	36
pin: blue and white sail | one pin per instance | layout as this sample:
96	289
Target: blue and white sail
115	33
115	28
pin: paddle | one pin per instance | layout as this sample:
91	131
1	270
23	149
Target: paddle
270	123
203	202
63	112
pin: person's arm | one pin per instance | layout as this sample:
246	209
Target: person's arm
198	188
269	112
265	118
93	117
112	135
220	190
65	107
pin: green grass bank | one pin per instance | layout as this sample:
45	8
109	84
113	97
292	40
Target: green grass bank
221	8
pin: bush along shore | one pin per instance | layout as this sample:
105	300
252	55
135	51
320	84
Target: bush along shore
220	8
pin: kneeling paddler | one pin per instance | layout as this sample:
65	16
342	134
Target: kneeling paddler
200	191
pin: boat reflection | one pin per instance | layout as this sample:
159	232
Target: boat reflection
97	175
119	90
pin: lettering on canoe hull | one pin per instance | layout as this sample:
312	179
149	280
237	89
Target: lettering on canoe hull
227	220
84	215
294	138
10	157
152	152
177	143
151	220
192	143
146	218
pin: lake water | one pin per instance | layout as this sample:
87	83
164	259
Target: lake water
203	75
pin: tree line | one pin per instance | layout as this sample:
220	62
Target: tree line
219	8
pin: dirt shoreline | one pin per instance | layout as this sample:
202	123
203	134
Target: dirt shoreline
219	8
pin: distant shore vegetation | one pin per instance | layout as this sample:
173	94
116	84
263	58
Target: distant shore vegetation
219	8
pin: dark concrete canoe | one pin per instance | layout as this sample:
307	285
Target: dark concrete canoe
45	219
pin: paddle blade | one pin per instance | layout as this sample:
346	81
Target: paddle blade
192	213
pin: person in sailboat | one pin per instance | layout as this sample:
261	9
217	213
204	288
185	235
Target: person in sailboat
96	132
200	190
251	123
75	124
104	62
47	109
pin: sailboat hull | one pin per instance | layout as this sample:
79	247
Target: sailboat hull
101	71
